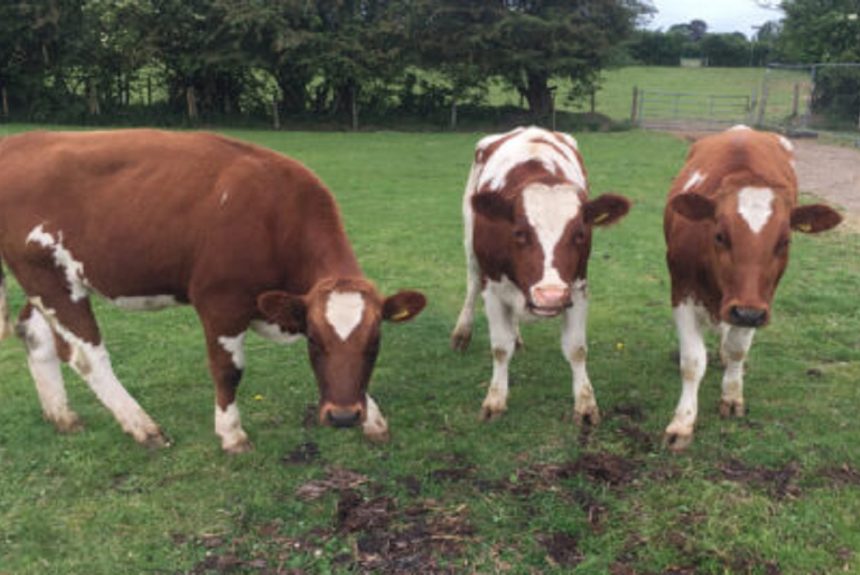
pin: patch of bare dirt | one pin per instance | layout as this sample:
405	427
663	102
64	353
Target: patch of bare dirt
842	475
304	453
562	549
336	479
780	483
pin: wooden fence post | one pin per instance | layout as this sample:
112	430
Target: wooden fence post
634	108
762	105
795	102
354	109
191	99
5	97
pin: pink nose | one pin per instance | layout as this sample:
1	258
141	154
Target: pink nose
553	296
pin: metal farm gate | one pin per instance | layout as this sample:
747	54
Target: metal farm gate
680	110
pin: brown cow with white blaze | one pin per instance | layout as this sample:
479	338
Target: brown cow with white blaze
728	226
528	225
149	219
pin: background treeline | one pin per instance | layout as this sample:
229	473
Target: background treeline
174	61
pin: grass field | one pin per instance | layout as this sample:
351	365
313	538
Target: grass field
776	492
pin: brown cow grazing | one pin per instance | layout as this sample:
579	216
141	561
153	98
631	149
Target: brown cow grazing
728	226
150	219
528	236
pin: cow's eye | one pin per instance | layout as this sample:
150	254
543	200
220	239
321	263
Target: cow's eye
578	237
372	348
782	245
521	236
722	240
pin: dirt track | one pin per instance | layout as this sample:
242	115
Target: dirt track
830	172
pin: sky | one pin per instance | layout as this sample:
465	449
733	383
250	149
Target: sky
720	15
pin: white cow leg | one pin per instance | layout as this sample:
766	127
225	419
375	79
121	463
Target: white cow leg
734	347
375	427
679	433
92	363
575	350
44	364
503	338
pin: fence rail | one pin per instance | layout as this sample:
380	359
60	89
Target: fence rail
657	109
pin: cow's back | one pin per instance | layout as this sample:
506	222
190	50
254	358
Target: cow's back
147	209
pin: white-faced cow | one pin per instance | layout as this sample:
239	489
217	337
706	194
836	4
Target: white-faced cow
149	219
728	224
528	226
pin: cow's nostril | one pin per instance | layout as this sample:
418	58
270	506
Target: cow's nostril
344	417
747	316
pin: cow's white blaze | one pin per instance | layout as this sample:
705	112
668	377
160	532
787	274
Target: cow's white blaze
343	312
531	144
145	303
235	346
548	211
755	206
228	426
63	259
694	180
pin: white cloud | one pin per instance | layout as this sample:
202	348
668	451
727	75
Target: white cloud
722	16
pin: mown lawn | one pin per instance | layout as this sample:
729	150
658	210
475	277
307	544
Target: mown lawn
776	492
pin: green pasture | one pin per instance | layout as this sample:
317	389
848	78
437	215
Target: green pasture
776	492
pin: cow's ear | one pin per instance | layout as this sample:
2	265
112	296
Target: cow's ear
403	306
493	206
606	210
693	206
814	218
287	310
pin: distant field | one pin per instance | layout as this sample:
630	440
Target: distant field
776	492
615	95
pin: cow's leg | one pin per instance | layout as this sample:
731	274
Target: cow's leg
5	324
574	348
462	334
73	321
44	363
375	427
224	325
694	359
734	346
503	338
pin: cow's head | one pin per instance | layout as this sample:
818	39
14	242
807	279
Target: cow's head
544	238
749	236
341	320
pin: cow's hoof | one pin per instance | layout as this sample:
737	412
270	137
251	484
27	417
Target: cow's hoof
677	441
732	408
243	446
461	338
589	417
492	412
68	423
153	440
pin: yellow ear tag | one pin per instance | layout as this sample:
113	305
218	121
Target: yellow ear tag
601	217
805	227
402	314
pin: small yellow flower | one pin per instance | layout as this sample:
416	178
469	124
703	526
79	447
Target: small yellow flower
619	346
258	397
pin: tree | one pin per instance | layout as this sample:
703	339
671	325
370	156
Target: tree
533	41
821	30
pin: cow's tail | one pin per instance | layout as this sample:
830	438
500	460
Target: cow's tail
5	324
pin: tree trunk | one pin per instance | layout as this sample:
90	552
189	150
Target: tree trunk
538	95
191	99
354	106
454	114
5	97
93	98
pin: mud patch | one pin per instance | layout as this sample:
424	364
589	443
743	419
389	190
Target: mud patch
780	483
336	479
562	550
409	540
305	453
840	476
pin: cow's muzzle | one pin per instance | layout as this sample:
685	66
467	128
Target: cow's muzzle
340	416
549	300
747	316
